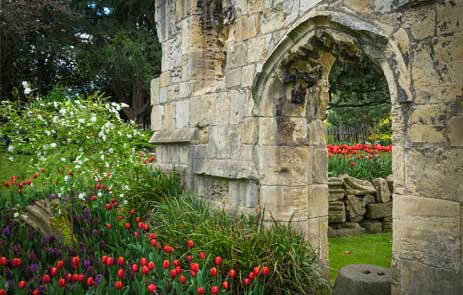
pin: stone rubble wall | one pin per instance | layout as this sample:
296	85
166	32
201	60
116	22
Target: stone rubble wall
357	206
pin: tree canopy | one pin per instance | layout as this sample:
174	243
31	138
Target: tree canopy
86	46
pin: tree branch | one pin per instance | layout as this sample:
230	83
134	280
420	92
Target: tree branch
367	104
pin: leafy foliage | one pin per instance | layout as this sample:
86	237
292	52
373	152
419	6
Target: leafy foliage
359	95
70	135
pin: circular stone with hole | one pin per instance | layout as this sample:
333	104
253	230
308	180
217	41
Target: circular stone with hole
363	279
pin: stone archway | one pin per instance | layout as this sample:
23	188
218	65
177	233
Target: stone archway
291	96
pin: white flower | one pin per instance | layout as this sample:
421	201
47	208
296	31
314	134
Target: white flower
93	119
11	159
11	148
66	178
27	91
121	196
125	202
16	215
82	196
63	160
62	112
102	157
25	84
81	120
47	132
53	145
124	105
111	150
99	194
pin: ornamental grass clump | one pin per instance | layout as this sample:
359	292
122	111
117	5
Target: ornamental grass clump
244	242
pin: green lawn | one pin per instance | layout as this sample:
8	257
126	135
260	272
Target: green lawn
364	249
17	167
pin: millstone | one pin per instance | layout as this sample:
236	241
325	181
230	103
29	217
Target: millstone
363	279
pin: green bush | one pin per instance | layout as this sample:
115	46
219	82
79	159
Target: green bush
243	242
73	135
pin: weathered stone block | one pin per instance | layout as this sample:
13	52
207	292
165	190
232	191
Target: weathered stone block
248	75
383	195
379	210
317	196
237	106
201	109
154	91
233	78
249	131
357	187
372	226
157	114
455	131
355	208
336	212
169	117
221	110
284	202
246	27
182	114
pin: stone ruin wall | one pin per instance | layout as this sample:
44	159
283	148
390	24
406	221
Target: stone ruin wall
359	206
237	111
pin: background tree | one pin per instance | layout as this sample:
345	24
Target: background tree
86	46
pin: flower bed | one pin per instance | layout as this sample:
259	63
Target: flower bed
364	161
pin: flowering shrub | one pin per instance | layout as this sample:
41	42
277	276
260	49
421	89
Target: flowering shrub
73	135
365	161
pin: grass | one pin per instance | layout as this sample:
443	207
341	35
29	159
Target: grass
7	168
364	249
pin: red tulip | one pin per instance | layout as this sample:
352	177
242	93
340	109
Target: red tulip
173	273
36	292
120	261
256	270
7	184
94	198
152	288
108	226
143	261
3	260
81	278
53	271
60	264
202	255
110	261
121	274
35	175
22	284
152	236
107	206
189	258
69	277
200	290
194	267
175	262
75	261
265	270
246	282
132	212
46	279
232	273
193	274
225	285
127	225
120	218
75	277
146	227
168	249
165	264
182	279
218	260
141	225
134	267
135	234
104	259
352	164
144	269
16	262
213	272
116	205
154	242
118	285
251	276
2	292
215	290
150	160
90	281
137	219
151	265
191	244
178	269
62	282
